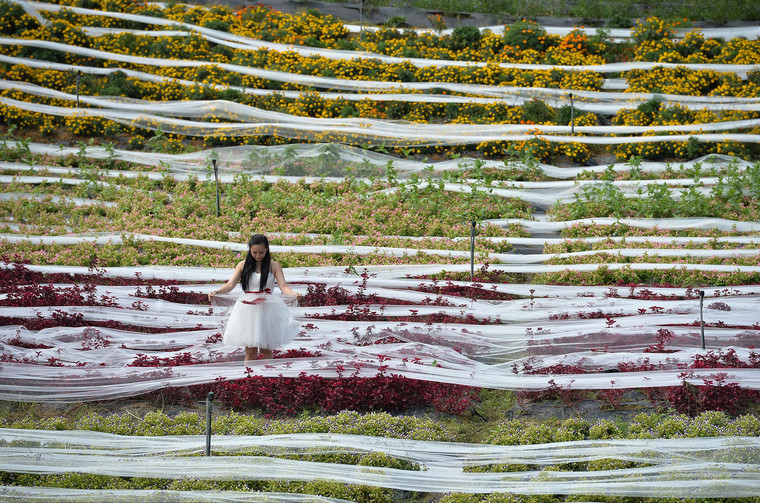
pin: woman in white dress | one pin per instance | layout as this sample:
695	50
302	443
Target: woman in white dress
260	320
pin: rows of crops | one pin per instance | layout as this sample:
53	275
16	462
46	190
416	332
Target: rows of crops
612	185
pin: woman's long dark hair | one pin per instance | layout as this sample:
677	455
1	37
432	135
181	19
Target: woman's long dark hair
250	263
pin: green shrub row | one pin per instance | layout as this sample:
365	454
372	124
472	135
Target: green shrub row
676	276
513	432
734	196
383	424
157	423
641	426
356	493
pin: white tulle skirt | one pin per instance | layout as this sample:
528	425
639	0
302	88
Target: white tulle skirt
261	320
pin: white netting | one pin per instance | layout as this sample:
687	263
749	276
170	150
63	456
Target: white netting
61	495
727	32
539	194
720	224
496	259
341	159
245	43
429	454
250	121
29	382
572	323
586	100
239	112
76	201
694	467
599	330
389	133
591	101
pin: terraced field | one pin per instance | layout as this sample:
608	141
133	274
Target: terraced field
528	258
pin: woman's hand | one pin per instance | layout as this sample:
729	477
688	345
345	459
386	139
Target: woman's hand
211	295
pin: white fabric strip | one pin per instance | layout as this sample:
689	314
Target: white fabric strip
701	467
237	41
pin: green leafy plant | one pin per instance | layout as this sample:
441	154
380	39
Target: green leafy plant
526	35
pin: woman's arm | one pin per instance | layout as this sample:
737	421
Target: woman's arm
231	283
280	277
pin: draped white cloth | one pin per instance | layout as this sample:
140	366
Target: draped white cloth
389	133
245	43
551	325
684	467
262	160
61	495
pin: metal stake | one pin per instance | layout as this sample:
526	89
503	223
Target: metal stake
472	250
701	317
216	177
209	409
572	115
361	20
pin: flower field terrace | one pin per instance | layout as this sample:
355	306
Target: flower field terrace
366	161
271	71
80	195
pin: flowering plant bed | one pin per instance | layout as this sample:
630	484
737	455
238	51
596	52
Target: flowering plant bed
498	60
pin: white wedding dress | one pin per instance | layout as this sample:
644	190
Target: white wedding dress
261	319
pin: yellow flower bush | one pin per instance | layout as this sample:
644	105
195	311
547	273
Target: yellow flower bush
569	57
20	118
294	29
653	113
48	125
681	80
538	148
655	41
740	51
84	126
14	21
492	149
577	152
655	29
587	119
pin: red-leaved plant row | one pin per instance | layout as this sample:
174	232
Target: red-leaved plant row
290	395
281	395
713	394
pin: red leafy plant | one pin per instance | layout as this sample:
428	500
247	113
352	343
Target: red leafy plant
282	395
